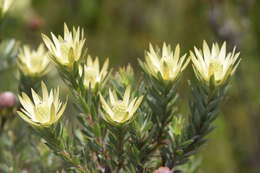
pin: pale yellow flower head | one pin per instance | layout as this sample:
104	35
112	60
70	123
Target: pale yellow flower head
93	75
119	111
216	63
66	50
33	63
41	111
5	5
165	63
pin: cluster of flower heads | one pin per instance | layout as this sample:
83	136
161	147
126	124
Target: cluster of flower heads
209	65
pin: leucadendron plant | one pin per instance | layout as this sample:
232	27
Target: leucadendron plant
125	124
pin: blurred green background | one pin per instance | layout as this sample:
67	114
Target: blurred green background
122	30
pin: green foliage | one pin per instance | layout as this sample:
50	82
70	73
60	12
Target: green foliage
156	136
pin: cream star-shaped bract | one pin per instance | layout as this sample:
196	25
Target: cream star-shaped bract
33	63
66	50
93	75
216	63
41	111
119	111
165	63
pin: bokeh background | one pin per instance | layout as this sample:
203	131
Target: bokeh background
123	29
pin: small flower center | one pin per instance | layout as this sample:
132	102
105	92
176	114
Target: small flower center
42	112
91	74
120	111
65	47
216	68
164	69
36	63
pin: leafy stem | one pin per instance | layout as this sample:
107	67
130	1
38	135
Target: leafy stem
204	108
120	137
56	141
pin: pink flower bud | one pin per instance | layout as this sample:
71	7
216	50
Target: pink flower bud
163	170
7	100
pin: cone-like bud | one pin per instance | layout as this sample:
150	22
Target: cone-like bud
125	75
177	126
8	104
7	100
163	170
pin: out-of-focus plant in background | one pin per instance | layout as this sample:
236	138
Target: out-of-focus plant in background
121	30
